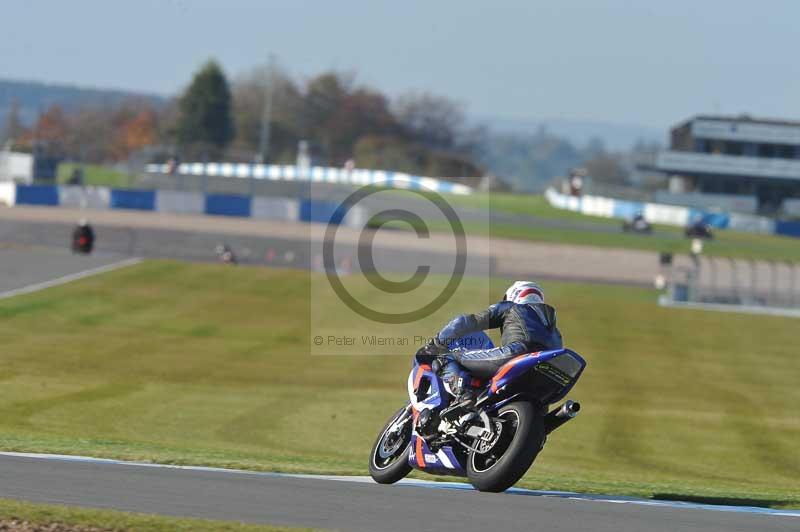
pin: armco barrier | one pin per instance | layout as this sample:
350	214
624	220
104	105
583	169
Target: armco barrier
719	220
180	202
787	228
279	208
314	174
8	194
142	200
669	214
666	214
84	197
275	209
750	223
320	212
228	205
36	195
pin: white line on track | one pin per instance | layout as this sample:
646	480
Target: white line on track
69	278
424	484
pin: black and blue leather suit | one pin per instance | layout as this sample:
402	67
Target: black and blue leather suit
524	329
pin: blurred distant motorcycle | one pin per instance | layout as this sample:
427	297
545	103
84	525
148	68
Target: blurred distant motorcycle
699	229
225	254
83	238
492	443
637	224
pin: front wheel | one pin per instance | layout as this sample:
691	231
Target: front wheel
521	438
388	461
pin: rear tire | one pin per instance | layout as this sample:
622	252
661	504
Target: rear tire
389	467
520	441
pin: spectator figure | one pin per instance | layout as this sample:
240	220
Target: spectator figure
83	238
76	177
172	165
576	182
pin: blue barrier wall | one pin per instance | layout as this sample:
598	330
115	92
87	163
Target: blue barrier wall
718	220
320	212
325	212
787	228
228	205
142	200
37	195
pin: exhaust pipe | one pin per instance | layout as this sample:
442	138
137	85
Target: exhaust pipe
561	415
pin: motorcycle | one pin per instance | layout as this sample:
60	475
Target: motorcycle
225	254
637	224
493	443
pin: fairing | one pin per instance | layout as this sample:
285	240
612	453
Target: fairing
560	368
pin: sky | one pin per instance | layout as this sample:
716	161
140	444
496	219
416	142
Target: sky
626	62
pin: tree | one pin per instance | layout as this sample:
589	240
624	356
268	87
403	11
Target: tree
361	113
205	120
13	128
434	121
286	127
50	134
92	134
607	168
137	132
388	152
323	96
528	161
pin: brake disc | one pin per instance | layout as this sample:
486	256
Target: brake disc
484	446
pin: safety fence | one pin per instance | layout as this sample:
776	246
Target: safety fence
181	202
314	174
670	214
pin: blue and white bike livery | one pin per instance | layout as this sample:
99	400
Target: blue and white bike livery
492	444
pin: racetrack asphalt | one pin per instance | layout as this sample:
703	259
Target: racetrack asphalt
298	245
352	503
23	267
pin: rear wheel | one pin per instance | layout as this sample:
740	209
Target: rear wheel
388	461
521	438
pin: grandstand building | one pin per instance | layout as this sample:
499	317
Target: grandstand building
734	163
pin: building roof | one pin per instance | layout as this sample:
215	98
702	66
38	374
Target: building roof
741	118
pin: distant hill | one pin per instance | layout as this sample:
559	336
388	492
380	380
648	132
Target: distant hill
34	97
615	136
530	153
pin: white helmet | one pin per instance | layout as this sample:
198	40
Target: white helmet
524	293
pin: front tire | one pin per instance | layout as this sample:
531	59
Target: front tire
388	461
520	441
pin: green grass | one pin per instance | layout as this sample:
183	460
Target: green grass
95	174
726	243
529	204
44	514
206	364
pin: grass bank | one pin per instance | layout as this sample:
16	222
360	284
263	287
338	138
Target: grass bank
609	234
75	518
94	174
206	364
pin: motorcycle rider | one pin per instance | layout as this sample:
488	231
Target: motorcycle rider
83	237
527	324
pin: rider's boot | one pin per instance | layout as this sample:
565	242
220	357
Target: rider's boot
458	382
